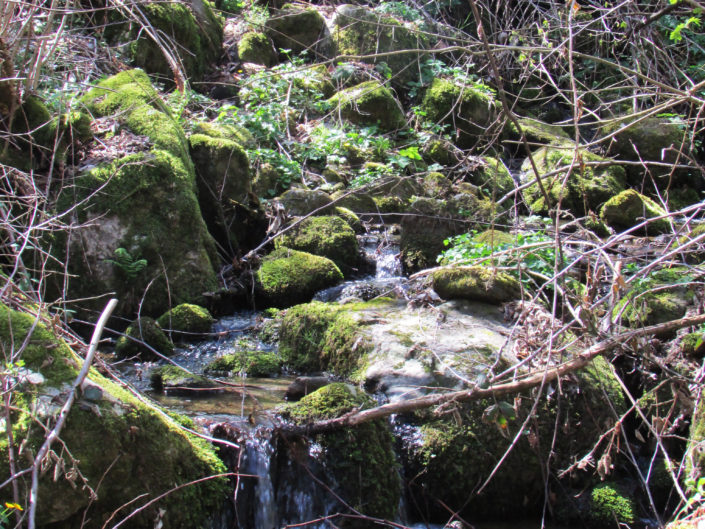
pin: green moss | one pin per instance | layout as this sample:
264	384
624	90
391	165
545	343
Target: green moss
316	81
257	48
369	103
287	277
253	363
198	37
361	31
234	133
693	345
629	208
187	318
494	238
170	376
329	237
140	337
436	185
321	336
470	110
695	460
608	505
350	218
585	190
124	445
662	297
299	202
538	133
492	177
361	458
476	283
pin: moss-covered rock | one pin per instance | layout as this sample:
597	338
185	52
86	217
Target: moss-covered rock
476	283
122	447
350	218
287	277
494	238
321	336
446	454
174	380
369	103
295	29
299	202
232	213
360	31
141	206
469	109
587	187
188	319
433	221
491	177
437	185
693	252
695	466
537	134
257	48
441	151
252	363
142	338
663	296
361	459
655	139
356	200
197	33
630	208
329	237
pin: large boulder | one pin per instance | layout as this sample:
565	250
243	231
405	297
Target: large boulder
295	29
369	103
256	48
630	208
299	202
360	31
656	142
360	459
138	226
287	277
187	321
469	109
329	237
113	448
231	211
476	283
193	27
592	181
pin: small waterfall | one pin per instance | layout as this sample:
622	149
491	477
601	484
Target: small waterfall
257	461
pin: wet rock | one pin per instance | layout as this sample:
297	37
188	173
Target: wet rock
173	380
144	338
302	386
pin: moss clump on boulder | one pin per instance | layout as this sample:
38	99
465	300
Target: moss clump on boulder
141	338
494	238
256	48
696	453
350	218
321	336
476	283
287	277
143	203
538	133
198	35
630	208
114	440
174	380
469	109
298	30
586	189
693	253
329	237
361	459
609	505
492	177
360	31
369	103
188	319
252	363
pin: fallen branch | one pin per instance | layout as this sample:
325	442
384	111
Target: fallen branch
532	380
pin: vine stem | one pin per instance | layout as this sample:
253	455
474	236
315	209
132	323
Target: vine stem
54	434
